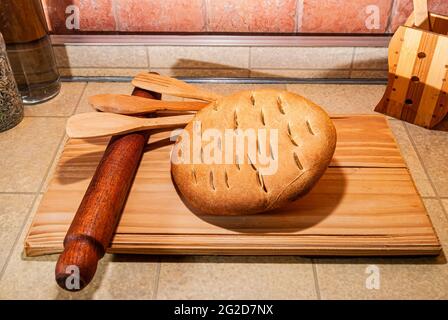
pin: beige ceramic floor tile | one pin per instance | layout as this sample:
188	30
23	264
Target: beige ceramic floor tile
300	73
301	57
413	162
236	278
101	72
13	211
117	277
369	74
198	57
342	98
400	278
370	58
27	152
227	89
94	88
62	105
203	72
432	146
102	56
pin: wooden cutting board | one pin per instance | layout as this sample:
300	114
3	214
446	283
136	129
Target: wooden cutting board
366	204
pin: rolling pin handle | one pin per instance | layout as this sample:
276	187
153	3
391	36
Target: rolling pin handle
75	271
95	221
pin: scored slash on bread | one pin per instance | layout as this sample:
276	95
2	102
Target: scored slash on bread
306	144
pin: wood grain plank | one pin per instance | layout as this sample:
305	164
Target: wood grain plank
393	58
365	204
419	77
403	73
434	84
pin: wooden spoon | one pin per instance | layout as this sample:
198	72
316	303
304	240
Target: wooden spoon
101	124
171	86
124	104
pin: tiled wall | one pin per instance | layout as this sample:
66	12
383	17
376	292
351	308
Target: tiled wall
215	61
234	16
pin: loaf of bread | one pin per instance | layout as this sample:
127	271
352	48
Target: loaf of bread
288	143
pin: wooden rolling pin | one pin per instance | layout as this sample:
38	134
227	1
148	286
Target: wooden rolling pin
95	221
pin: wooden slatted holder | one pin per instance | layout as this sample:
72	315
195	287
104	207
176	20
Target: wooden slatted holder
418	70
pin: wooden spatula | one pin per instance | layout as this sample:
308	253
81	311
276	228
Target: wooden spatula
171	86
124	104
101	124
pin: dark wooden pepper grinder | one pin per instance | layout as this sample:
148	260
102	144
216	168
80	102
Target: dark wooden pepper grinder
95	221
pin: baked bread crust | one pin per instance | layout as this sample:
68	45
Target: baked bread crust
306	144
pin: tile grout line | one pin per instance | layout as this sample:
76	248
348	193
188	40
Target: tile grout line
401	148
148	60
110	68
83	91
244	80
299	16
414	145
393	9
249	67
437	197
219	68
157	279
13	193
51	117
316	279
352	62
27	216
205	6
36	196
115	14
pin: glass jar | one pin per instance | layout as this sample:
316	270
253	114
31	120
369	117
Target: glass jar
29	48
11	108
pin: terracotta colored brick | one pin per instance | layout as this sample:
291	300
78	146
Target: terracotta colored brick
95	15
344	16
403	9
439	6
161	16
251	15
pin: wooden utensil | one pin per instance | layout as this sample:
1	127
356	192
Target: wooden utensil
171	86
102	124
124	104
96	219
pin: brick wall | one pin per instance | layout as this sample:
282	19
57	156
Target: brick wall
230	16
